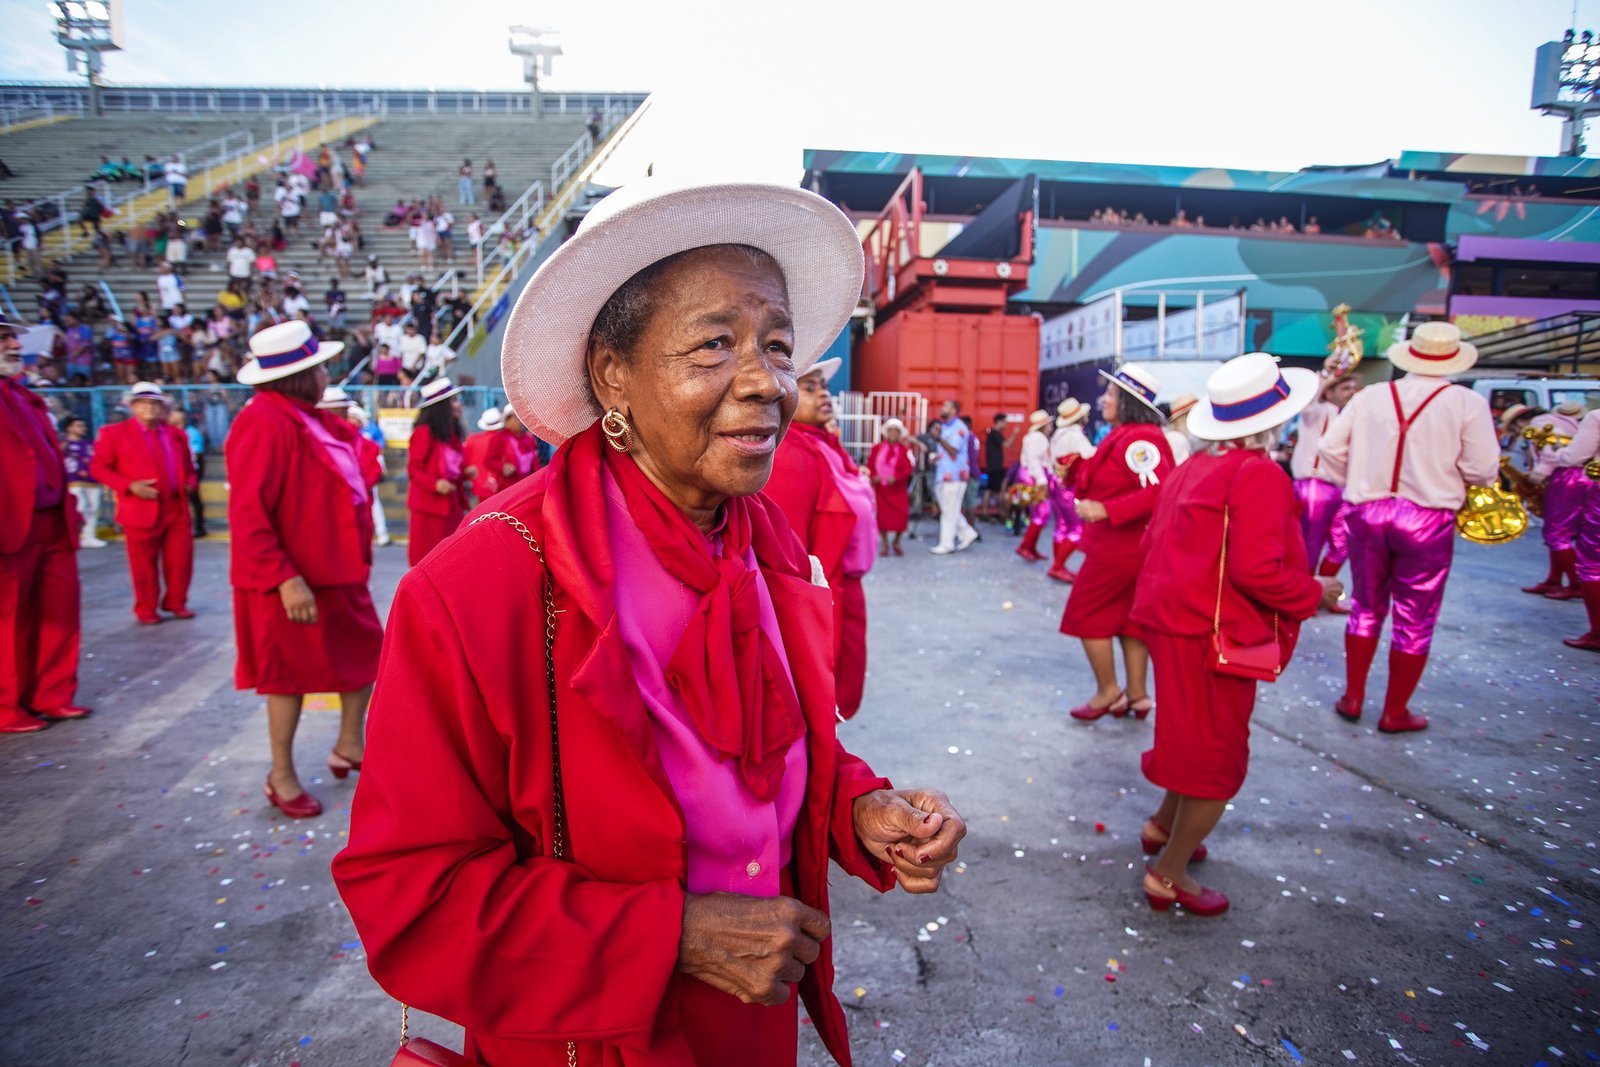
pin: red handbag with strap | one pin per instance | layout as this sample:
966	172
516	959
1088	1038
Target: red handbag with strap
1261	663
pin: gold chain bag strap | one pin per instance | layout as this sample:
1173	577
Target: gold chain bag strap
420	1052
1257	662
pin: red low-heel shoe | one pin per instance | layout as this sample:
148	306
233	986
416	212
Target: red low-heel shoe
1206	903
1564	593
1586	643
65	711
340	766
180	613
1142	713
304	806
1152	845
1089	713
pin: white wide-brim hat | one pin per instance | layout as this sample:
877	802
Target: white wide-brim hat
1136	381
892	424
358	414
1249	394
1435	348
438	390
148	391
1571	408
334	397
1072	410
1512	414
542	359
285	349
491	419
826	367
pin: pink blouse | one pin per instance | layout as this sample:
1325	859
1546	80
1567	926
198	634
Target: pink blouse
736	842
862	549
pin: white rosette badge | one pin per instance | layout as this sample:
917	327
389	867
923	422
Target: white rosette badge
1142	458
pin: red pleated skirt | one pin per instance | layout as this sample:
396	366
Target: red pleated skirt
894	507
336	654
1202	737
1102	596
428	530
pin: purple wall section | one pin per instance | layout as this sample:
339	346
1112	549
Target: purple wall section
1473	248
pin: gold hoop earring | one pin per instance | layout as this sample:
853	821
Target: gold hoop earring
618	433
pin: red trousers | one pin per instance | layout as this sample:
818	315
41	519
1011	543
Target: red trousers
850	666
39	617
169	544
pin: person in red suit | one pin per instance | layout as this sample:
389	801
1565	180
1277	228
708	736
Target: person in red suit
612	845
38	559
144	461
829	504
890	466
300	522
1223	556
1116	489
493	453
438	470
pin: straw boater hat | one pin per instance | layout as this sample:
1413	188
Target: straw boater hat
1072	410
1135	380
1038	419
543	358
491	419
1572	409
437	390
147	391
827	368
1250	394
1513	413
1436	349
285	349
334	397
1181	405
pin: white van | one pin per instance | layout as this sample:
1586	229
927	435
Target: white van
1541	393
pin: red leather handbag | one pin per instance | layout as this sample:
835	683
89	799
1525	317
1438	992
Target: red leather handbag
1259	663
419	1051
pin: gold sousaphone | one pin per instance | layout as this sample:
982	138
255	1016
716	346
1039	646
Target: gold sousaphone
1491	515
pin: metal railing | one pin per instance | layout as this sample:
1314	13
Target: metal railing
515	220
16	116
72	97
112	306
489	295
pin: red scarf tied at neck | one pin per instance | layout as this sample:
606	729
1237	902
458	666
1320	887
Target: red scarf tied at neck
725	669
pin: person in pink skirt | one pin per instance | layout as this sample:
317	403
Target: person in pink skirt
1068	445
1405	453
1585	449
1035	470
1324	516
1566	492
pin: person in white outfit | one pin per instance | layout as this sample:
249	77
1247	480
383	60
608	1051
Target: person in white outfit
952	470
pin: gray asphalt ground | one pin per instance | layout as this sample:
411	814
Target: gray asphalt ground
1422	899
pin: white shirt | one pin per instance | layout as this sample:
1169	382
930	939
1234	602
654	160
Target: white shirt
290	207
233	210
293	305
1450	445
1545	463
386	333
475	231
169	288
1070	441
30	235
438	355
299	183
1035	454
413	347
241	261
1314	422
177	173
1585	443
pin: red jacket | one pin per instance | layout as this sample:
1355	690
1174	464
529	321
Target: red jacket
19	475
460	909
802	484
124	454
491	451
426	463
289	509
371	457
1107	477
1267	568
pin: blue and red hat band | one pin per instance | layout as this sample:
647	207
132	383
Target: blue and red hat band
283	359
1144	391
1254	405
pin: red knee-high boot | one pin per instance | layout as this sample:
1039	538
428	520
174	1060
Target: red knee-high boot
1359	652
1058	565
1551	581
1029	550
1405	671
1589	642
1565	562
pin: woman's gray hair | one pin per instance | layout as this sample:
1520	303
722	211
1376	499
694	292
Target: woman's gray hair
1260	441
623	318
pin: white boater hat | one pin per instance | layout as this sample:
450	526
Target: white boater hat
827	368
1134	379
334	397
287	348
148	391
542	360
1249	394
491	419
1038	419
435	391
1436	349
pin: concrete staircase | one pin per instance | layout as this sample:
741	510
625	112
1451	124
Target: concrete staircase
413	157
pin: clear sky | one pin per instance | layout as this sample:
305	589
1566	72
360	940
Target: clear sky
744	85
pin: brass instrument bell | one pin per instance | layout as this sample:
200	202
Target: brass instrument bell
1491	516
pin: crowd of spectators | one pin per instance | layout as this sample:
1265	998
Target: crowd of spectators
1377	227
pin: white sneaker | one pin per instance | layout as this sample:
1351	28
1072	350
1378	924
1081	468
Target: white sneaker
385	542
940	550
91	542
964	541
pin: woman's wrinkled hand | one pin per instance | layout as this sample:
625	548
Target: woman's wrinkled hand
1332	592
750	947
1091	510
916	830
298	601
444	486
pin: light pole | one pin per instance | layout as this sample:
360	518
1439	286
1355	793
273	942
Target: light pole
1566	79
87	29
526	42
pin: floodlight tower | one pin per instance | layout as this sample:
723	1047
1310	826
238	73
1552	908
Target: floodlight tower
527	42
1566	81
87	30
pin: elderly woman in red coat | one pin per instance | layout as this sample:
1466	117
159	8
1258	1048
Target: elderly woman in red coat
612	846
829	504
437	469
300	526
1116	489
890	467
1225	573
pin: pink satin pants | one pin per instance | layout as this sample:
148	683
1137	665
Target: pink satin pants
1324	520
1399	552
1565	495
1587	539
1063	501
